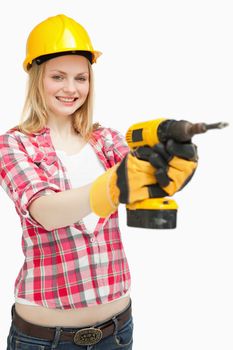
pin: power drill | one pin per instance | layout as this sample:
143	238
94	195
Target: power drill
160	213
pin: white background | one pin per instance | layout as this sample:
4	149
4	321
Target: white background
169	59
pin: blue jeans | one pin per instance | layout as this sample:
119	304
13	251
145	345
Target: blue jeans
121	339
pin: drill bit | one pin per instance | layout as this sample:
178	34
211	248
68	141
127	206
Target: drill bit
183	130
219	125
200	128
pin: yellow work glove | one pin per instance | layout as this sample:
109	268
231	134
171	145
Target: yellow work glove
175	164
126	182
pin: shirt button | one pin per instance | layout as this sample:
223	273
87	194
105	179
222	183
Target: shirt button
92	239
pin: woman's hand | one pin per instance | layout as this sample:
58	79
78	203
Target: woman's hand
175	164
144	173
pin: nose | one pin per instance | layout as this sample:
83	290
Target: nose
69	86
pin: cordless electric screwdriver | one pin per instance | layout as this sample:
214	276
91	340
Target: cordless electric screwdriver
160	213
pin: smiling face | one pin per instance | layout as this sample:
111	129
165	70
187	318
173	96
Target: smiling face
65	84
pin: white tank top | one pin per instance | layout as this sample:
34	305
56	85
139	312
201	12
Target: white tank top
83	168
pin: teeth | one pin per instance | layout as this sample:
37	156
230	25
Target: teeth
66	99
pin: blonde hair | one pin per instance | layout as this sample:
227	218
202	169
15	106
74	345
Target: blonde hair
34	116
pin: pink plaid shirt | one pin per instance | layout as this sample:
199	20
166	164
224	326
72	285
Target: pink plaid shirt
67	267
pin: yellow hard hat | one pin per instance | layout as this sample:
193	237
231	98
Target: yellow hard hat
58	35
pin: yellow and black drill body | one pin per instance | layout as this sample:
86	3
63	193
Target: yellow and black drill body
160	213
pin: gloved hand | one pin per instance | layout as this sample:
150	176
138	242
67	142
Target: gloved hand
175	165
127	182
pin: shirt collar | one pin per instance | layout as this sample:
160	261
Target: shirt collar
42	131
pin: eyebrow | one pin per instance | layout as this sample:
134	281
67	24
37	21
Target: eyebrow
61	72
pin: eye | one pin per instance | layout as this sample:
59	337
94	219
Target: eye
57	77
82	78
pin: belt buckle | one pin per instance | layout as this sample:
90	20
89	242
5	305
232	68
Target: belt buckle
88	336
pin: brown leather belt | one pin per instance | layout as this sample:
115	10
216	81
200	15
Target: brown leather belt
80	336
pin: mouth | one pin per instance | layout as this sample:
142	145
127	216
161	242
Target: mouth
66	99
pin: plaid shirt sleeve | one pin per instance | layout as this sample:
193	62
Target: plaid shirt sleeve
120	146
20	177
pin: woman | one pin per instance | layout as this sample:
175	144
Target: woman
64	175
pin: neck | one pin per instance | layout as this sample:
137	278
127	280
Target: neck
61	127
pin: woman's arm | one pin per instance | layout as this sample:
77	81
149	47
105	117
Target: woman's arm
29	187
61	209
